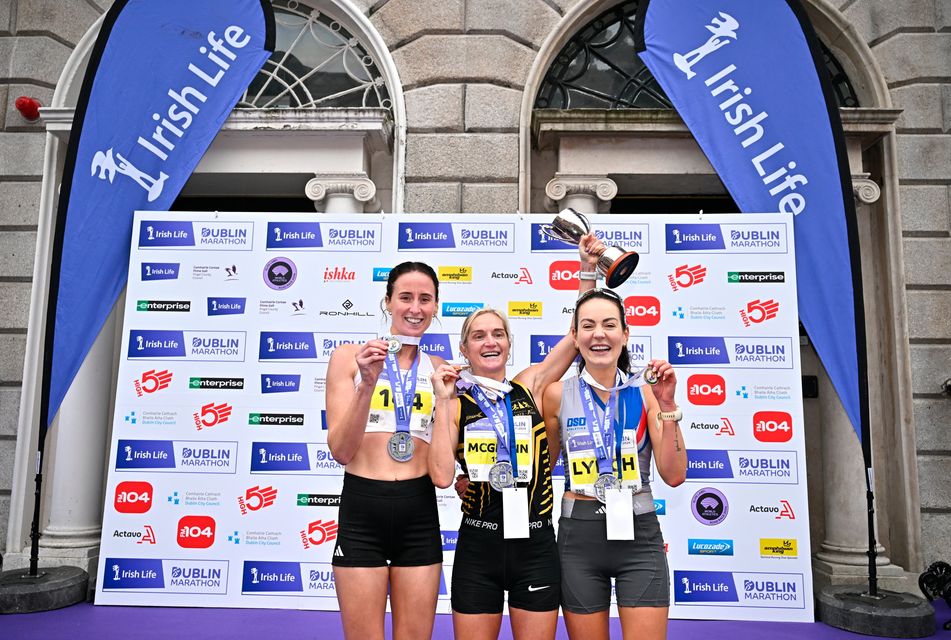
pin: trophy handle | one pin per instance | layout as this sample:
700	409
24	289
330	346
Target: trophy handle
552	230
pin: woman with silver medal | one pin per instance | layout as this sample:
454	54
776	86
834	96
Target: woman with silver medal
609	423
493	426
379	420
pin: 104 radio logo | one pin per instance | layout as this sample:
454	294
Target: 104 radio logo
642	311
133	497
196	532
772	426
706	389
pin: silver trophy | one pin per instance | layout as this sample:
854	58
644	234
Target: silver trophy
615	263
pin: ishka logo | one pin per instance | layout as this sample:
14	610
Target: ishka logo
758	311
256	498
212	414
318	532
152	381
686	276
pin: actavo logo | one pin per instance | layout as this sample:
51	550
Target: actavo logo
772	426
563	275
783	511
196	532
152	381
758	311
212	414
642	311
256	498
686	276
706	389
318	532
133	497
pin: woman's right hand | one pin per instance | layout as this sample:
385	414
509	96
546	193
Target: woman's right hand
444	381
370	359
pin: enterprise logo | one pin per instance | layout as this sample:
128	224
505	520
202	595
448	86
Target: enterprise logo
181	306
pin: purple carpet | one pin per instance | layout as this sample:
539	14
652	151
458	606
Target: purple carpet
133	623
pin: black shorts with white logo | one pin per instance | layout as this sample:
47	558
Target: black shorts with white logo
384	522
487	565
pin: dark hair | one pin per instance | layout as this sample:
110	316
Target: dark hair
624	359
409	267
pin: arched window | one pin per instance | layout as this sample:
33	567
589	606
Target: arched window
316	63
598	69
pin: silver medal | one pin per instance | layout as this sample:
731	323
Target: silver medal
393	345
501	476
400	446
650	375
603	483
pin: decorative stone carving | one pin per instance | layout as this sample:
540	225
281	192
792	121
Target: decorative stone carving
866	191
342	193
561	189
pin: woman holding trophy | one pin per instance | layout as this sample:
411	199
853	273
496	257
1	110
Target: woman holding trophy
493	426
609	422
379	420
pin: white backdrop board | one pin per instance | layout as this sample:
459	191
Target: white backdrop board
221	488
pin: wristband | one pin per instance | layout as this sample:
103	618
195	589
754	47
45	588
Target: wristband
672	416
588	275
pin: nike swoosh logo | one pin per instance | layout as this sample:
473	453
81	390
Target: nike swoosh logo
531	588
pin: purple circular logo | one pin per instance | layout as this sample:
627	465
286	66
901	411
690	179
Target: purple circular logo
709	506
280	273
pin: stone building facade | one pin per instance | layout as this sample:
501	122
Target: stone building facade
457	114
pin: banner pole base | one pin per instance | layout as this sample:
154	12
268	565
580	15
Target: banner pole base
888	614
51	588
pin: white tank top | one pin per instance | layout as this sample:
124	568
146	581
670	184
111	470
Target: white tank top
382	418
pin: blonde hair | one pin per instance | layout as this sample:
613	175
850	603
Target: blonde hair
467	325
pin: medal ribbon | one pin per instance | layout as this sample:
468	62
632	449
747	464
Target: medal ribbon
503	422
602	436
402	396
492	388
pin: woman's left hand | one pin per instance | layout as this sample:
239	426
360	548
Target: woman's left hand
666	386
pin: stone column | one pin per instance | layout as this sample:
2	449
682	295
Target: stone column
842	556
77	447
583	193
342	193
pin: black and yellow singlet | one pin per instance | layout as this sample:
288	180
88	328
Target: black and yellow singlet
476	449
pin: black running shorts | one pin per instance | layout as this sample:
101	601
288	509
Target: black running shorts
383	522
487	565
